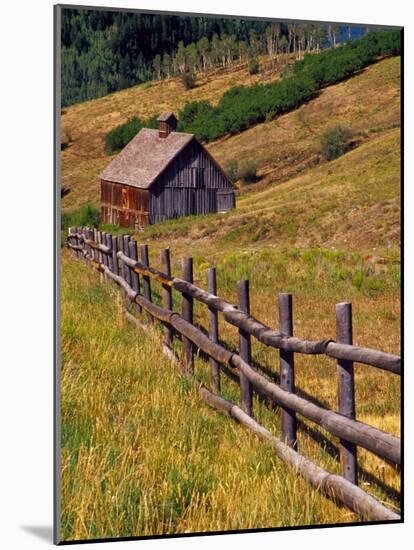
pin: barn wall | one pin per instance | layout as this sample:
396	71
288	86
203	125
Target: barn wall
123	205
188	186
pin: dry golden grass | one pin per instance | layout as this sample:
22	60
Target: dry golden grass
141	455
368	103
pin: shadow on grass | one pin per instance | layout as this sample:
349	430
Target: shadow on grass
317	436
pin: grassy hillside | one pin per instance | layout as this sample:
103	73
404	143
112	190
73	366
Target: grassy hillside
349	203
87	123
142	456
368	103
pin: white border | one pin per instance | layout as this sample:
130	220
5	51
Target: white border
27	300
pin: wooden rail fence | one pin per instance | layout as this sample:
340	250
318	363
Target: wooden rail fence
117	259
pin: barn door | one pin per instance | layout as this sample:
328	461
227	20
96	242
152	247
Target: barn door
225	200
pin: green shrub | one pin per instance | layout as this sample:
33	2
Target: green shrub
334	141
247	171
358	279
118	137
232	170
86	216
198	118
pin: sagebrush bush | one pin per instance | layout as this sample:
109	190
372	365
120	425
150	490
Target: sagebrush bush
247	171
334	141
253	65
188	80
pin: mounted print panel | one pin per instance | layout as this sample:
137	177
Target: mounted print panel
230	324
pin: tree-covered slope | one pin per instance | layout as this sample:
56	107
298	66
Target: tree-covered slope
106	51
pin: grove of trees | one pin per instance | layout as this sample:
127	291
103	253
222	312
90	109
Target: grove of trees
105	51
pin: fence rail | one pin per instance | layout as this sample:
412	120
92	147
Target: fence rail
266	335
117	259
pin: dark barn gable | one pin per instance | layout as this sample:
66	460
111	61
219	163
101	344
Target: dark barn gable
188	186
163	174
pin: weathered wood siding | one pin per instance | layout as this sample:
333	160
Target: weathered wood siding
188	186
123	205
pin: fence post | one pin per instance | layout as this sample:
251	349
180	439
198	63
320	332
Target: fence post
102	276
77	252
71	240
109	257
103	254
215	366
287	373
133	253
121	269
98	241
187	313
114	245
146	283
68	238
122	248
167	293
126	271
95	240
84	233
105	259
82	243
246	389
89	235
346	390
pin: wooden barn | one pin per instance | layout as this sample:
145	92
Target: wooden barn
163	174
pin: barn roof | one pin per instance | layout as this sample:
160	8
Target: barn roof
143	159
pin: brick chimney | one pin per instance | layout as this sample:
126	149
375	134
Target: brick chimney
167	123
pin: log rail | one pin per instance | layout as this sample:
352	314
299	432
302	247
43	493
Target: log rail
117	260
